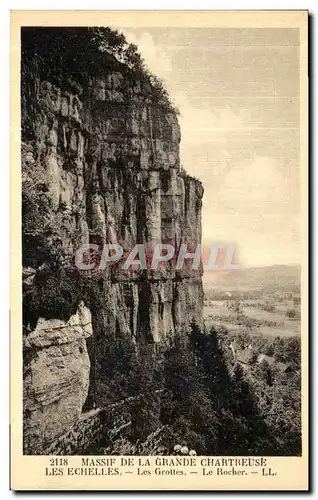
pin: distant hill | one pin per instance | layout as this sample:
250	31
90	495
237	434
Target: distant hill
270	278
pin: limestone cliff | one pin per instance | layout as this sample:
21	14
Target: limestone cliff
100	162
56	377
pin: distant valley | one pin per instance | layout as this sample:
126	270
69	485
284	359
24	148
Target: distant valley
271	279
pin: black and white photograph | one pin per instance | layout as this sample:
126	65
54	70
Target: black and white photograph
161	242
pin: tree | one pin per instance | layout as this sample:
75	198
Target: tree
186	405
291	313
132	57
145	416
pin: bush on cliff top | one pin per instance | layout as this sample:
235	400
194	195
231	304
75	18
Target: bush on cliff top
63	54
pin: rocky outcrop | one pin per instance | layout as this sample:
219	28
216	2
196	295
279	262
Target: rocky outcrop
101	163
56	377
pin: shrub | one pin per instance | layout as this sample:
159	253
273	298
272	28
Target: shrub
35	204
291	313
269	307
55	294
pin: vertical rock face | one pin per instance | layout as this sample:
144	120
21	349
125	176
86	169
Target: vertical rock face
56	377
106	153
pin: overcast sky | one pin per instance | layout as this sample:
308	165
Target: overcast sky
238	94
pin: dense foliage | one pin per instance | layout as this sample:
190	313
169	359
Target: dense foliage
79	52
205	401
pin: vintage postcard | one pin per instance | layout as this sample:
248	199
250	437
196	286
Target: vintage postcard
159	250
